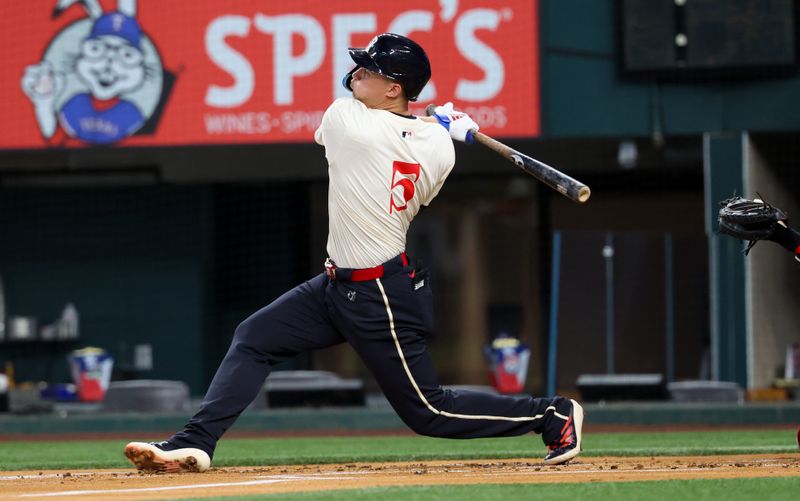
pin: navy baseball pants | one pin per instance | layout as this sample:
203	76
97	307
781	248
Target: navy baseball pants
385	313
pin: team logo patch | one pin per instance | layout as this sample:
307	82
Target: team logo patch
100	80
351	295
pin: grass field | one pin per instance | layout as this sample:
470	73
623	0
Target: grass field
272	451
772	489
75	455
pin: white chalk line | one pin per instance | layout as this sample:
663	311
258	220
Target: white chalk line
275	480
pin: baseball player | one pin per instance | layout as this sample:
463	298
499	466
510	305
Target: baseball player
385	165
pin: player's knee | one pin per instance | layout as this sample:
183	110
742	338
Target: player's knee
256	340
420	424
244	331
245	339
423	418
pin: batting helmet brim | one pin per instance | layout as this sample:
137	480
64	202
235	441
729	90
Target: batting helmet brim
363	60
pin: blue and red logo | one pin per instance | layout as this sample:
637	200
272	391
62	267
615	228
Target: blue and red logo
101	78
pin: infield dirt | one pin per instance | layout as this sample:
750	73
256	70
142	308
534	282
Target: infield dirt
124	484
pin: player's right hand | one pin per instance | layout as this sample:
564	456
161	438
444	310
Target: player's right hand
41	83
460	125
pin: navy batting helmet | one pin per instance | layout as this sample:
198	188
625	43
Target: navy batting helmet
396	57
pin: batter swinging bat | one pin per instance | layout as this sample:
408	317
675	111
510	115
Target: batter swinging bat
562	183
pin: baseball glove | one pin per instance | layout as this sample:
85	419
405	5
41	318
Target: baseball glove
750	220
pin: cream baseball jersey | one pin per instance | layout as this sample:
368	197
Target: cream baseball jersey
382	168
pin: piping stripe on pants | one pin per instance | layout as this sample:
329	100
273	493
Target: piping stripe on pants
425	400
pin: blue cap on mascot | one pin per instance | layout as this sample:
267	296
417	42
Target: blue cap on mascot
120	25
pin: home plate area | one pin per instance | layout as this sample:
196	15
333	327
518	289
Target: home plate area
130	484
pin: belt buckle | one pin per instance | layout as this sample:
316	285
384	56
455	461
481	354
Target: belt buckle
330	268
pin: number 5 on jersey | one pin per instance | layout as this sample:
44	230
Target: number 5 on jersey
402	184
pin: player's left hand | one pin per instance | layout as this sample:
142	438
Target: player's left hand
460	125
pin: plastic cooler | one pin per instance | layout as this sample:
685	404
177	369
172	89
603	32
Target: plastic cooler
508	361
91	372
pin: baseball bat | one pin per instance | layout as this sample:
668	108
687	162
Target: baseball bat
562	183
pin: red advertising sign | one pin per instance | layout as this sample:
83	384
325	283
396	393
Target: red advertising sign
155	73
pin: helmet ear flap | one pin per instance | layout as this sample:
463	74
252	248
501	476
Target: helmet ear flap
347	78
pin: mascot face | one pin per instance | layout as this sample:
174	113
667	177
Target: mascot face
110	66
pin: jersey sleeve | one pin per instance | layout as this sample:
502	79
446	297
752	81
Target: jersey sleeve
445	163
329	118
319	134
343	116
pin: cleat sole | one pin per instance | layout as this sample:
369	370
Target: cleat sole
146	458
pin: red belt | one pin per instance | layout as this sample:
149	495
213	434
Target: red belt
361	274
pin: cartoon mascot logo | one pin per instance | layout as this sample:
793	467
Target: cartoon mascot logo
100	80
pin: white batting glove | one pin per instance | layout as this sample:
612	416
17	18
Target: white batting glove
460	125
